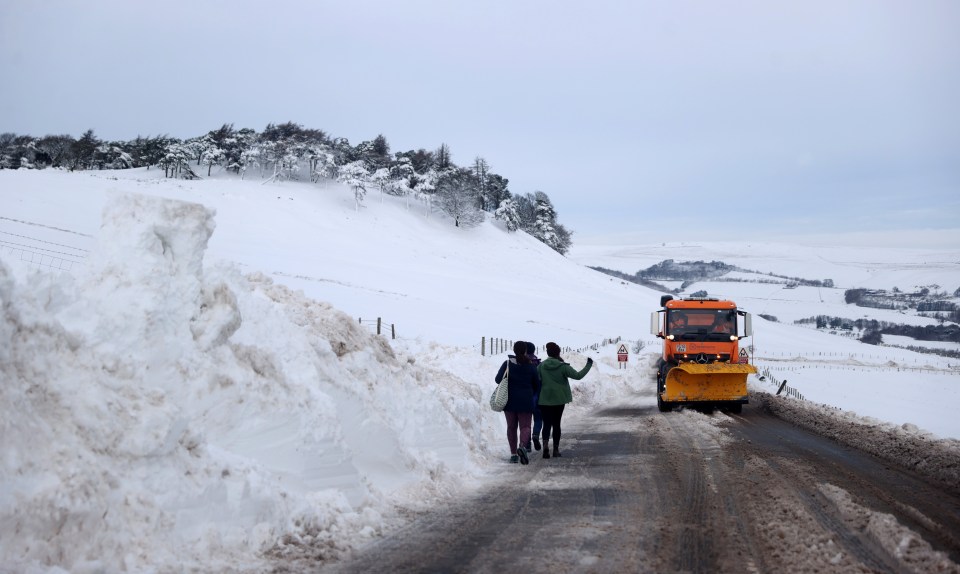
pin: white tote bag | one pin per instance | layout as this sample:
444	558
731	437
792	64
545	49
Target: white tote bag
498	399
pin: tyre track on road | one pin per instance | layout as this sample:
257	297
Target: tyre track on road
642	491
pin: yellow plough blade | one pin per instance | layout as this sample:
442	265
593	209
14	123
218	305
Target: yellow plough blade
712	382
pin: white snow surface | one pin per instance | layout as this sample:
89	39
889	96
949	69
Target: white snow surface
190	373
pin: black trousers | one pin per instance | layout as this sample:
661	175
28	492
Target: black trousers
551	421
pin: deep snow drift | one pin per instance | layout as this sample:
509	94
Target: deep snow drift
159	413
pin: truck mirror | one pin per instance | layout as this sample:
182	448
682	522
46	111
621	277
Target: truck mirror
655	324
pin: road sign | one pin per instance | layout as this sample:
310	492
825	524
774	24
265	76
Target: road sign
743	360
622	353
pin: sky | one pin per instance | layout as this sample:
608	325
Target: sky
190	369
645	120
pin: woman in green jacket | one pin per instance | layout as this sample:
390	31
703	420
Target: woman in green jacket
555	393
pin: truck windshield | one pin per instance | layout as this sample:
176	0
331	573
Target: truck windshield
701	324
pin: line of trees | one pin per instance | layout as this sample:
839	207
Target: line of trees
927	302
633	278
289	151
670	270
691	272
873	328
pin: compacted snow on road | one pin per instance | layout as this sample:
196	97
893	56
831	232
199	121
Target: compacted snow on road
643	491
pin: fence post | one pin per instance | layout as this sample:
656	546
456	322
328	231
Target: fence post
483	346
393	331
378	325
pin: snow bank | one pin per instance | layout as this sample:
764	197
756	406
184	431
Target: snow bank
158	415
905	445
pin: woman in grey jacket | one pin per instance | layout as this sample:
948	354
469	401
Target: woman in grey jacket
555	393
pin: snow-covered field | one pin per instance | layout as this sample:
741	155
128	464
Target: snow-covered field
189	371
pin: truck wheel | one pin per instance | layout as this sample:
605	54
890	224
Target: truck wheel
735	408
662	369
662	406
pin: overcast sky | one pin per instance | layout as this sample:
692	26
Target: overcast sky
676	119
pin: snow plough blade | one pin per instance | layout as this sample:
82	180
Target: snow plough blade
714	382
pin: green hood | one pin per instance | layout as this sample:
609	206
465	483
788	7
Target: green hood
552	364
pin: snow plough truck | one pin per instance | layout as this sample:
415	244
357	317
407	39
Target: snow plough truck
702	365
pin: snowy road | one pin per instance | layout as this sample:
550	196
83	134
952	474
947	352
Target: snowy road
642	491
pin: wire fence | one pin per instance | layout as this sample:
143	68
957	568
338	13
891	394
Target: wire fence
41	253
379	327
501	345
808	364
767	377
826	355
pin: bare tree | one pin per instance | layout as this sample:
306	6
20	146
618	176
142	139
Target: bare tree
443	158
457	197
481	172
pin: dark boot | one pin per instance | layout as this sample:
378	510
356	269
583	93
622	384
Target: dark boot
556	450
536	442
522	453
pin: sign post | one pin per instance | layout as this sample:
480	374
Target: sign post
622	356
